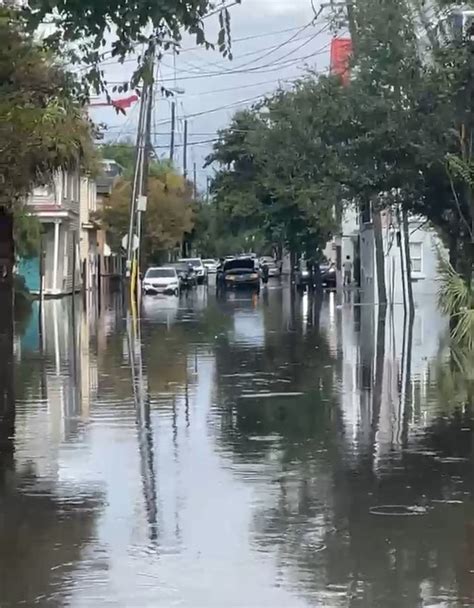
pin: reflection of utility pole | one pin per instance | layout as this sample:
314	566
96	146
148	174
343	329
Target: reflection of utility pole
143	420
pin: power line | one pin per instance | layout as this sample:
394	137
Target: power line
216	109
261	69
240	56
103	62
240	67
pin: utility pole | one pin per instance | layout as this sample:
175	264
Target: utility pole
136	184
146	157
140	173
185	150
194	181
173	127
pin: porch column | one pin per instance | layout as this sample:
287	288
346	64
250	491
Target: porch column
56	256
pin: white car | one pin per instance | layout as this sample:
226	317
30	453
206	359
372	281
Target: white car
161	280
198	267
211	266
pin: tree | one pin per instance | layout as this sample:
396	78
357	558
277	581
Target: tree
169	216
81	29
42	127
273	177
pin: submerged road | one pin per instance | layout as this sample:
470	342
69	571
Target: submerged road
241	451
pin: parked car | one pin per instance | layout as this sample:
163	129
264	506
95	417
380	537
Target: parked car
328	275
161	280
186	274
239	272
211	265
198	266
302	277
274	269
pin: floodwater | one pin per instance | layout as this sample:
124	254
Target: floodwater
238	452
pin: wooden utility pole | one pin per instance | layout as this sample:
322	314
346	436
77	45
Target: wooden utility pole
140	173
185	150
194	181
173	127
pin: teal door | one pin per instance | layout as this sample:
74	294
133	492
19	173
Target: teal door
29	269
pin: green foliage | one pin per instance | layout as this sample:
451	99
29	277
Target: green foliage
169	216
26	233
42	127
273	171
457	301
81	30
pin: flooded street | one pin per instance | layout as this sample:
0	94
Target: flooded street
236	451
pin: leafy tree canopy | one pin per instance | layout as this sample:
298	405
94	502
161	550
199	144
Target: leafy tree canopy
42	127
169	215
389	138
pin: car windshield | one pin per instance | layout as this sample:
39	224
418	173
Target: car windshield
208	261
195	262
160	273
240	264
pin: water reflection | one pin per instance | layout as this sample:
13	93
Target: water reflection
279	450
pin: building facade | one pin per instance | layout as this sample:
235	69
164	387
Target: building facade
65	208
425	248
57	207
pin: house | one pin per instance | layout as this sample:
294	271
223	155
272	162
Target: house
425	247
110	264
88	234
57	206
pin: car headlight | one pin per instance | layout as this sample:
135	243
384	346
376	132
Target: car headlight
145	284
254	276
230	277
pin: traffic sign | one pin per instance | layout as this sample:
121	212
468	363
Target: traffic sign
134	242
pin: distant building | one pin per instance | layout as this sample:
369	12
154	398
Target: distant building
89	234
110	263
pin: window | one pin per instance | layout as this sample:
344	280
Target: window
366	212
416	255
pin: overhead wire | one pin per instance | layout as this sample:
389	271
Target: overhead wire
248	54
261	69
240	67
105	55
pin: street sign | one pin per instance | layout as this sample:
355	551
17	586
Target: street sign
125	242
141	203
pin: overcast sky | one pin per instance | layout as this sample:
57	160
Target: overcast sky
273	43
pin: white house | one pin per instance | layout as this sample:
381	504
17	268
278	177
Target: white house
57	207
425	246
63	207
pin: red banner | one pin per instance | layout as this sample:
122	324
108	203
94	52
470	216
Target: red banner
341	50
